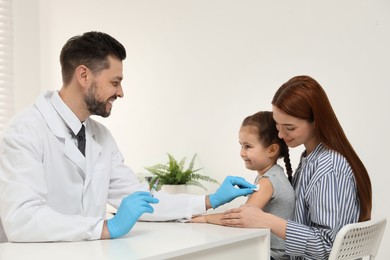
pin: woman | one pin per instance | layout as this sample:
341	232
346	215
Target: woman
331	184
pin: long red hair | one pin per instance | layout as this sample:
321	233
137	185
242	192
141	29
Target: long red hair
304	98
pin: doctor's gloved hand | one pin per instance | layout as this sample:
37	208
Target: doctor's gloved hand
228	191
131	208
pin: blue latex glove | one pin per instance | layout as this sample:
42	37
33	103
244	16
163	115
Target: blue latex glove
228	190
131	208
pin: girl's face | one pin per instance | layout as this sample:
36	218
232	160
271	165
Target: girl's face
295	131
255	155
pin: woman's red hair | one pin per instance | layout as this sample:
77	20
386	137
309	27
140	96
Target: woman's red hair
304	98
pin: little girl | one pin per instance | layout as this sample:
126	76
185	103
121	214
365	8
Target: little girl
260	149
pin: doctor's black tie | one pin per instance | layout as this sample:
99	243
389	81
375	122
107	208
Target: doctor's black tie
81	139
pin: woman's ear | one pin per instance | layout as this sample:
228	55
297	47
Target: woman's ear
273	150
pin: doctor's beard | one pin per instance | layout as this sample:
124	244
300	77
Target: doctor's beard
96	107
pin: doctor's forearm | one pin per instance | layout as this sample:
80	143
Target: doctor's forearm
105	234
207	202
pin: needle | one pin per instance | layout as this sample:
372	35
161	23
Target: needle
154	188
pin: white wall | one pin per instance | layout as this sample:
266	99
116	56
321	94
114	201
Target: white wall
196	68
26	52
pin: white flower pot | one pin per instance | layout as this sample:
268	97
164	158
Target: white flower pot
175	189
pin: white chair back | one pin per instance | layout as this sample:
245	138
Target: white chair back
358	240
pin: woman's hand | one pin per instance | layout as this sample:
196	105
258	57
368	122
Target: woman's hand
199	219
248	216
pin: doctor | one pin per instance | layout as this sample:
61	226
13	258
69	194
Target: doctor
59	168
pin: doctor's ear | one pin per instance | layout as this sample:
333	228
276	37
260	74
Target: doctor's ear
82	74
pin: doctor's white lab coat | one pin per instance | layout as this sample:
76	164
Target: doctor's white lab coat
50	192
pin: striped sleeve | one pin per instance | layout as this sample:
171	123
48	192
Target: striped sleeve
330	202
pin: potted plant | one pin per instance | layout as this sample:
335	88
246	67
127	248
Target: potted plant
173	173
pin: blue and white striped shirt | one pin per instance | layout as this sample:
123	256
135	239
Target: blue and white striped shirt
326	200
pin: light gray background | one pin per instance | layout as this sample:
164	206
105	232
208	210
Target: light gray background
196	68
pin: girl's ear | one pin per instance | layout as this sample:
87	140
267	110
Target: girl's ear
273	150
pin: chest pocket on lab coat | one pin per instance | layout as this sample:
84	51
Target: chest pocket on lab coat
101	182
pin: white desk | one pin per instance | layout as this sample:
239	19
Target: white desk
155	241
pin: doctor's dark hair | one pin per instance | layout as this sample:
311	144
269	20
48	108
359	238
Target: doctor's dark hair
91	50
303	97
268	135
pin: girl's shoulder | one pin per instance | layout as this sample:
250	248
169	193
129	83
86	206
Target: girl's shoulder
277	176
276	171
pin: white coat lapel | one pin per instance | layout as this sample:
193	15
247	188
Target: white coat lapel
50	115
55	124
72	152
92	153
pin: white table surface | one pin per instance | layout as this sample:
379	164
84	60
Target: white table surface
151	240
